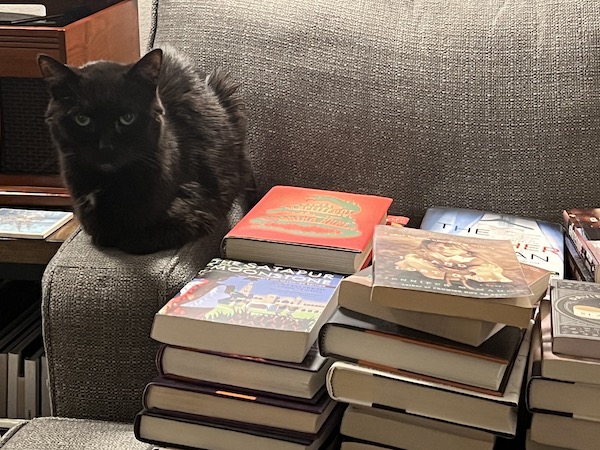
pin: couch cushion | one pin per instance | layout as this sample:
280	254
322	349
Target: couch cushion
47	433
489	105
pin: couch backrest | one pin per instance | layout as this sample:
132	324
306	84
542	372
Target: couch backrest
481	104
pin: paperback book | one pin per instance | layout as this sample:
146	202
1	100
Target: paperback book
351	336
31	223
481	279
253	309
563	367
308	228
360	385
405	431
536	242
578	400
575	318
355	295
303	379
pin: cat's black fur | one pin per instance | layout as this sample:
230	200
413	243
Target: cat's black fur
152	153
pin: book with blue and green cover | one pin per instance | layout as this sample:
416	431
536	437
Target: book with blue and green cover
250	309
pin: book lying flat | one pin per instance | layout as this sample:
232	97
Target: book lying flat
249	308
400	430
355	295
358	338
302	379
31	223
578	400
564	432
189	431
536	242
308	228
563	367
360	385
481	279
242	405
575	318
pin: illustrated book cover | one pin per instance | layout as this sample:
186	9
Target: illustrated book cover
303	379
576	222
308	228
355	295
460	276
251	309
579	400
536	242
575	318
360	385
354	337
575	267
192	431
31	223
243	405
563	367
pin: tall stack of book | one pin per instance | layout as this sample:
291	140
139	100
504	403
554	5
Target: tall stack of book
238	366
582	241
563	388
433	341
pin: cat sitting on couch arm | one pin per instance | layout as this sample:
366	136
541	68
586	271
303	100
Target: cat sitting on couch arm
152	153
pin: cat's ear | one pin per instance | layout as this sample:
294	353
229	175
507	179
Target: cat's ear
148	68
58	76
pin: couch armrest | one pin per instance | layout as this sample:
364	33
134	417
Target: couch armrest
97	307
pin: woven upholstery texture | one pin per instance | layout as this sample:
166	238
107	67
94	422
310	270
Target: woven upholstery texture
486	104
97	308
52	433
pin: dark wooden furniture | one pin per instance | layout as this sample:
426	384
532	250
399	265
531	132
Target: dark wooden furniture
110	33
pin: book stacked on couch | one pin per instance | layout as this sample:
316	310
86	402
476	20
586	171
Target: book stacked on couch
274	395
435	339
563	387
238	366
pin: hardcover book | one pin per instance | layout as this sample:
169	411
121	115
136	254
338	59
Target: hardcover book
351	336
588	249
481	279
308	228
31	223
400	430
575	318
536	242
242	405
579	400
563	367
190	431
564	432
576	268
248	308
355	295
301	380
361	385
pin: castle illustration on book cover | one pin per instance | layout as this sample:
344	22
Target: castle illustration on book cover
255	295
427	261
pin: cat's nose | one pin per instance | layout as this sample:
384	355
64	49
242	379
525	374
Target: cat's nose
105	145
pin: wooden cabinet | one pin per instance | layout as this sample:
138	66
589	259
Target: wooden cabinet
111	33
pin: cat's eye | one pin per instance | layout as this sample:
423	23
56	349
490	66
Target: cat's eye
127	118
82	120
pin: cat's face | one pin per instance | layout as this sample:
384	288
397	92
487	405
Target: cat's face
104	115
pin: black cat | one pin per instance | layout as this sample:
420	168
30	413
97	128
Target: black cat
152	153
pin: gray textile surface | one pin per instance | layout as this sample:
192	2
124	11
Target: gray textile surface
52	433
98	306
485	104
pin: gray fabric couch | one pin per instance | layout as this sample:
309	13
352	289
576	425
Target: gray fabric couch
479	104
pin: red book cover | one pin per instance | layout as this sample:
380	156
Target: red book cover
313	217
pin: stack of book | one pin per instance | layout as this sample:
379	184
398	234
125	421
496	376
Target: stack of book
563	388
207	395
432	340
582	242
238	366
